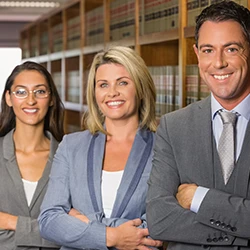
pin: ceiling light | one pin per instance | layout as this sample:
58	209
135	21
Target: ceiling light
26	4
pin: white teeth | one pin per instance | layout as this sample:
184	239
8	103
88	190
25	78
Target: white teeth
114	103
221	77
30	110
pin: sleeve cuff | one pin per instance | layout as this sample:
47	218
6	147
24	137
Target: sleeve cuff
199	195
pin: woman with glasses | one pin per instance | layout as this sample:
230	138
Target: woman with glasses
31	125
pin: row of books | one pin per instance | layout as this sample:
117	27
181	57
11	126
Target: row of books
166	82
122	19
167	88
57	32
72	83
155	16
94	26
44	43
196	89
74	33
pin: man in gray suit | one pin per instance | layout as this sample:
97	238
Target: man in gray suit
189	203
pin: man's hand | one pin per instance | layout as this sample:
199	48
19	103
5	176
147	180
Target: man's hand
185	194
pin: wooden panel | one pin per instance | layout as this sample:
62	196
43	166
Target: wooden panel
160	54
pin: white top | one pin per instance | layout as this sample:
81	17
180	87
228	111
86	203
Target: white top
110	184
29	189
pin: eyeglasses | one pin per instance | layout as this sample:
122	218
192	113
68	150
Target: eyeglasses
23	93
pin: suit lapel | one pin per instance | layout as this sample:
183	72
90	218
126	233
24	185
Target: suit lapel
94	169
204	143
45	177
140	152
12	168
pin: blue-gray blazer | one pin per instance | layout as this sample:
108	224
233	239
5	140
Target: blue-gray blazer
75	181
13	200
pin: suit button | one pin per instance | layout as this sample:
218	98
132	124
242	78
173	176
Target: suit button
223	225
220	238
215	239
233	229
228	227
209	240
212	221
217	223
226	238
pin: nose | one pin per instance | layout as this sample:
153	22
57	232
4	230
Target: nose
113	91
31	99
220	60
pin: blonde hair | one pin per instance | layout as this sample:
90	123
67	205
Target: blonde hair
145	89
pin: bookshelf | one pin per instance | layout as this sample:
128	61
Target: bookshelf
161	31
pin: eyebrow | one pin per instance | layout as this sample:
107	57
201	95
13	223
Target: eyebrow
118	79
225	45
36	86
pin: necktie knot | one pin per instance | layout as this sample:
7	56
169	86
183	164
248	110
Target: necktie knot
228	117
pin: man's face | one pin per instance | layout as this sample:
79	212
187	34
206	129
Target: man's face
224	60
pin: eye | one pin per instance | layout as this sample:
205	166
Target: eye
232	50
123	83
21	92
206	51
103	85
40	91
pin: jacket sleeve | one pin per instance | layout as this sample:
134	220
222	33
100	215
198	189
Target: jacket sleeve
227	212
55	223
166	219
27	234
115	222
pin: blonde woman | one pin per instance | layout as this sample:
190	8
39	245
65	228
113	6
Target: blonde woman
102	172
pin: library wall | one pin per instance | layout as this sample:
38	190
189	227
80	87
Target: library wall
161	31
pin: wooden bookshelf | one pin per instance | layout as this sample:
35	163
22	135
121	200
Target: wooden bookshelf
66	40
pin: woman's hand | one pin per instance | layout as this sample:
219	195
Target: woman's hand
8	221
128	236
75	213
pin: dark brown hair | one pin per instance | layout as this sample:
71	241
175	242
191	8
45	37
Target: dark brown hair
224	11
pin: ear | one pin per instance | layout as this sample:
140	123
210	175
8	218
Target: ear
196	51
51	103
8	99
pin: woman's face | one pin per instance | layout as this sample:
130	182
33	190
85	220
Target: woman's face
30	109
115	92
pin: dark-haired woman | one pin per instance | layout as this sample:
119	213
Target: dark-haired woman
30	128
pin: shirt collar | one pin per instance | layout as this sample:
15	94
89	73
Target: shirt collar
242	108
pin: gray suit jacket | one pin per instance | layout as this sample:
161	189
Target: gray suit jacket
75	181
185	152
13	200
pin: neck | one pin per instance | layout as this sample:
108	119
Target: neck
122	130
30	138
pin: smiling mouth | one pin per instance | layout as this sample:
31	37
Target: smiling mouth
115	103
30	110
221	77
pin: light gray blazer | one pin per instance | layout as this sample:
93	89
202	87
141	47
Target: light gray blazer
75	181
185	152
13	200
